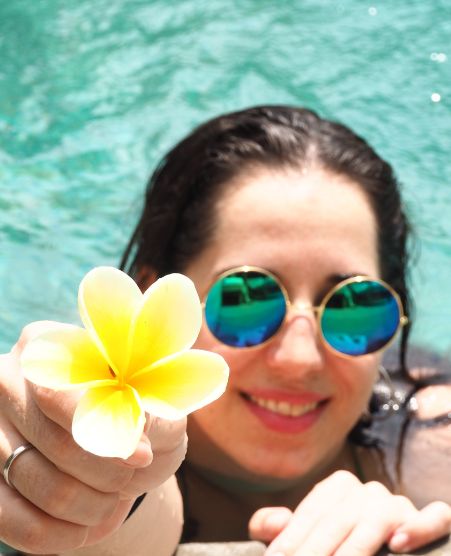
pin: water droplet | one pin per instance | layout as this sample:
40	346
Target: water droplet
372	10
436	97
439	57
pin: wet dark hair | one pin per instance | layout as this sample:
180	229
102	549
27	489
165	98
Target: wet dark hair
179	214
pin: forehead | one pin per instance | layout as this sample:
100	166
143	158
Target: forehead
282	219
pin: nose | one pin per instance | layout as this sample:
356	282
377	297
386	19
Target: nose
297	346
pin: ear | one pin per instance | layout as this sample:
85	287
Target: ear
145	277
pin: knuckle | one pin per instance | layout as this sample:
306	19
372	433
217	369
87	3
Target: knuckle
107	477
35	536
447	511
443	509
43	396
62	498
34	329
105	507
375	488
30	331
62	447
402	502
5	384
36	539
166	435
342	480
115	480
58	406
72	538
162	467
72	502
11	380
345	477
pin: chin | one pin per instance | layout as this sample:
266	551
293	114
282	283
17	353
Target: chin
276	467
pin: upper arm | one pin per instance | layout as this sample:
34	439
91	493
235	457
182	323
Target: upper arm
425	460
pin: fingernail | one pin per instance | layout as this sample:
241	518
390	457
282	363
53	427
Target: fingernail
148	424
399	541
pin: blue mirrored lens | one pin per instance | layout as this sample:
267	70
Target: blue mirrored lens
360	318
245	308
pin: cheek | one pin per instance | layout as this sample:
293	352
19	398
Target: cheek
355	379
238	360
206	341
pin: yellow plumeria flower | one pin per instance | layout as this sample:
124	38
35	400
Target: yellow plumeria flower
132	357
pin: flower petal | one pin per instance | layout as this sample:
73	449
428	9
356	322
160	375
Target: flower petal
169	321
109	421
65	359
108	300
181	383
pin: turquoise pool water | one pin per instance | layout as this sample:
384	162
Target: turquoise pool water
92	93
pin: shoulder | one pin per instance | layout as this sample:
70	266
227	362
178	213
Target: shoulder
414	443
425	448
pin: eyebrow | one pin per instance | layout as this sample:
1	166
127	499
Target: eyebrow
332	279
339	277
336	278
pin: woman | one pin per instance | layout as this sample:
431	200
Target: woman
283	221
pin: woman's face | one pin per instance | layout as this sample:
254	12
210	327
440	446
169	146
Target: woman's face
308	228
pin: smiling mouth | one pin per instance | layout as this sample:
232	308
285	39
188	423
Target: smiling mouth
283	408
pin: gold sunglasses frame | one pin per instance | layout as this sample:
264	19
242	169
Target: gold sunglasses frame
317	310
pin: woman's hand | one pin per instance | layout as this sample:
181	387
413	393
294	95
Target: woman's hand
62	496
343	517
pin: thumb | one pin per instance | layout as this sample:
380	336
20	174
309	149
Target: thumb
33	330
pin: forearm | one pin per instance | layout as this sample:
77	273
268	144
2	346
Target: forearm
154	528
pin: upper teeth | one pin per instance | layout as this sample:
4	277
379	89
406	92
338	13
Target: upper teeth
285	408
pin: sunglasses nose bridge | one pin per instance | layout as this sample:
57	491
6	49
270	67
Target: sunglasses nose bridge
305	310
302	308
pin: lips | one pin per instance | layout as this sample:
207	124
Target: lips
284	412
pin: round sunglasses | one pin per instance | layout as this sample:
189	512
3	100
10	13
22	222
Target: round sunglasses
247	305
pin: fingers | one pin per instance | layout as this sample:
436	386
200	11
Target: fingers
48	488
267	523
20	401
343	517
58	494
370	518
169	443
29	529
26	527
34	329
58	446
110	525
425	526
312	512
377	521
43	417
57	405
58	487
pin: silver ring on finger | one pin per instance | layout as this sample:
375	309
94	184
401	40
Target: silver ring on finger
11	459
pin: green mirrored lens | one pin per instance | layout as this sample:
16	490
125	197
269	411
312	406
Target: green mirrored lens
360	318
245	308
